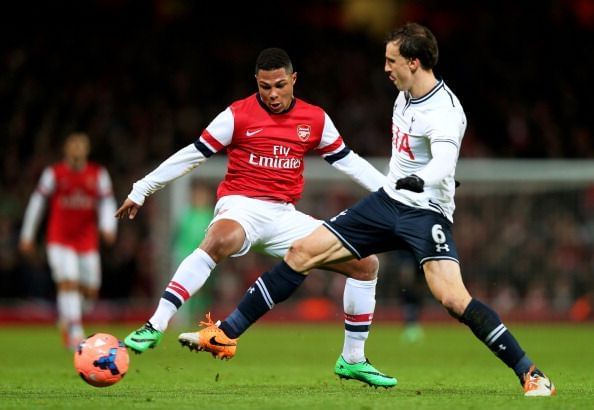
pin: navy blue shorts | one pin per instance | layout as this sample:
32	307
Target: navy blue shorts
379	224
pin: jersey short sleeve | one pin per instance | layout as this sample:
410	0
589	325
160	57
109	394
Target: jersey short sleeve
219	133
331	141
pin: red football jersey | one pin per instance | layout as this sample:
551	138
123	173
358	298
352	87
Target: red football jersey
265	150
73	200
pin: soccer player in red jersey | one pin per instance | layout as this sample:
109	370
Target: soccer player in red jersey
81	204
266	136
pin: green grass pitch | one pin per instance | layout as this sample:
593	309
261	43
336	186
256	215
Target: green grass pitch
290	367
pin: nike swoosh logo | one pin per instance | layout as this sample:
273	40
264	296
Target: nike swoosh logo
375	374
249	133
548	386
213	341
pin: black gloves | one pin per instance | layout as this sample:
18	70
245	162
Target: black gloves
414	183
411	183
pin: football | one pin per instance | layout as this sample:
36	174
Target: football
101	360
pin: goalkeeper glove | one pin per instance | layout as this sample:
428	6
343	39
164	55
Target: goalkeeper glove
411	183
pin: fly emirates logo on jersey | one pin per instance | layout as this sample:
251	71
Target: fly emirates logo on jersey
279	159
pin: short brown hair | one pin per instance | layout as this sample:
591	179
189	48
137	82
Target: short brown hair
416	41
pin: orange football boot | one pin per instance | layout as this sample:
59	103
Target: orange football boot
210	339
538	385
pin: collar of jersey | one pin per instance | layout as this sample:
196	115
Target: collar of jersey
429	94
275	113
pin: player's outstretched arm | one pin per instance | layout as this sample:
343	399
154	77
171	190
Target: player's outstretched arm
334	151
129	208
360	170
177	165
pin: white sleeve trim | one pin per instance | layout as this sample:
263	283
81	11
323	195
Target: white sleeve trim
177	165
361	171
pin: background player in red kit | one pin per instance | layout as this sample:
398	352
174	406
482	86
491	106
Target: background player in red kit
81	203
266	136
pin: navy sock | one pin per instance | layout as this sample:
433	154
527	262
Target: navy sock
269	289
486	325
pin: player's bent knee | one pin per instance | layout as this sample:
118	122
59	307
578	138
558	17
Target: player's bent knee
219	248
68	285
372	263
299	258
297	261
89	293
366	268
454	305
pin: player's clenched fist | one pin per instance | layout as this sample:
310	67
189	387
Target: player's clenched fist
411	183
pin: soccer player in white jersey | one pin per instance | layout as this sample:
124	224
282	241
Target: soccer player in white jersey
414	209
266	136
81	205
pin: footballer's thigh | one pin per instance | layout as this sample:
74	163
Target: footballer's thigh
429	235
444	279
286	226
63	263
243	223
358	232
234	227
360	269
89	266
320	248
224	237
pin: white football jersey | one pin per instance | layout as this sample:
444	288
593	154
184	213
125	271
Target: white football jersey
417	124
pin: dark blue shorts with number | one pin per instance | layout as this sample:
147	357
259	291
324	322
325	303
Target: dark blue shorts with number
379	224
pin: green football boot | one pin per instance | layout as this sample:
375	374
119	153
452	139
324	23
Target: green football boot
143	338
364	372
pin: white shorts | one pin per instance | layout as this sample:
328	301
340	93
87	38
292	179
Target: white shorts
270	227
67	264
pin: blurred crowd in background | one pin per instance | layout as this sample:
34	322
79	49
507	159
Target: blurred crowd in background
144	78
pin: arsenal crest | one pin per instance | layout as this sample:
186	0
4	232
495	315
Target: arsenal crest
303	132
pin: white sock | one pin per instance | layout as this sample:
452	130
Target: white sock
187	280
359	305
70	311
